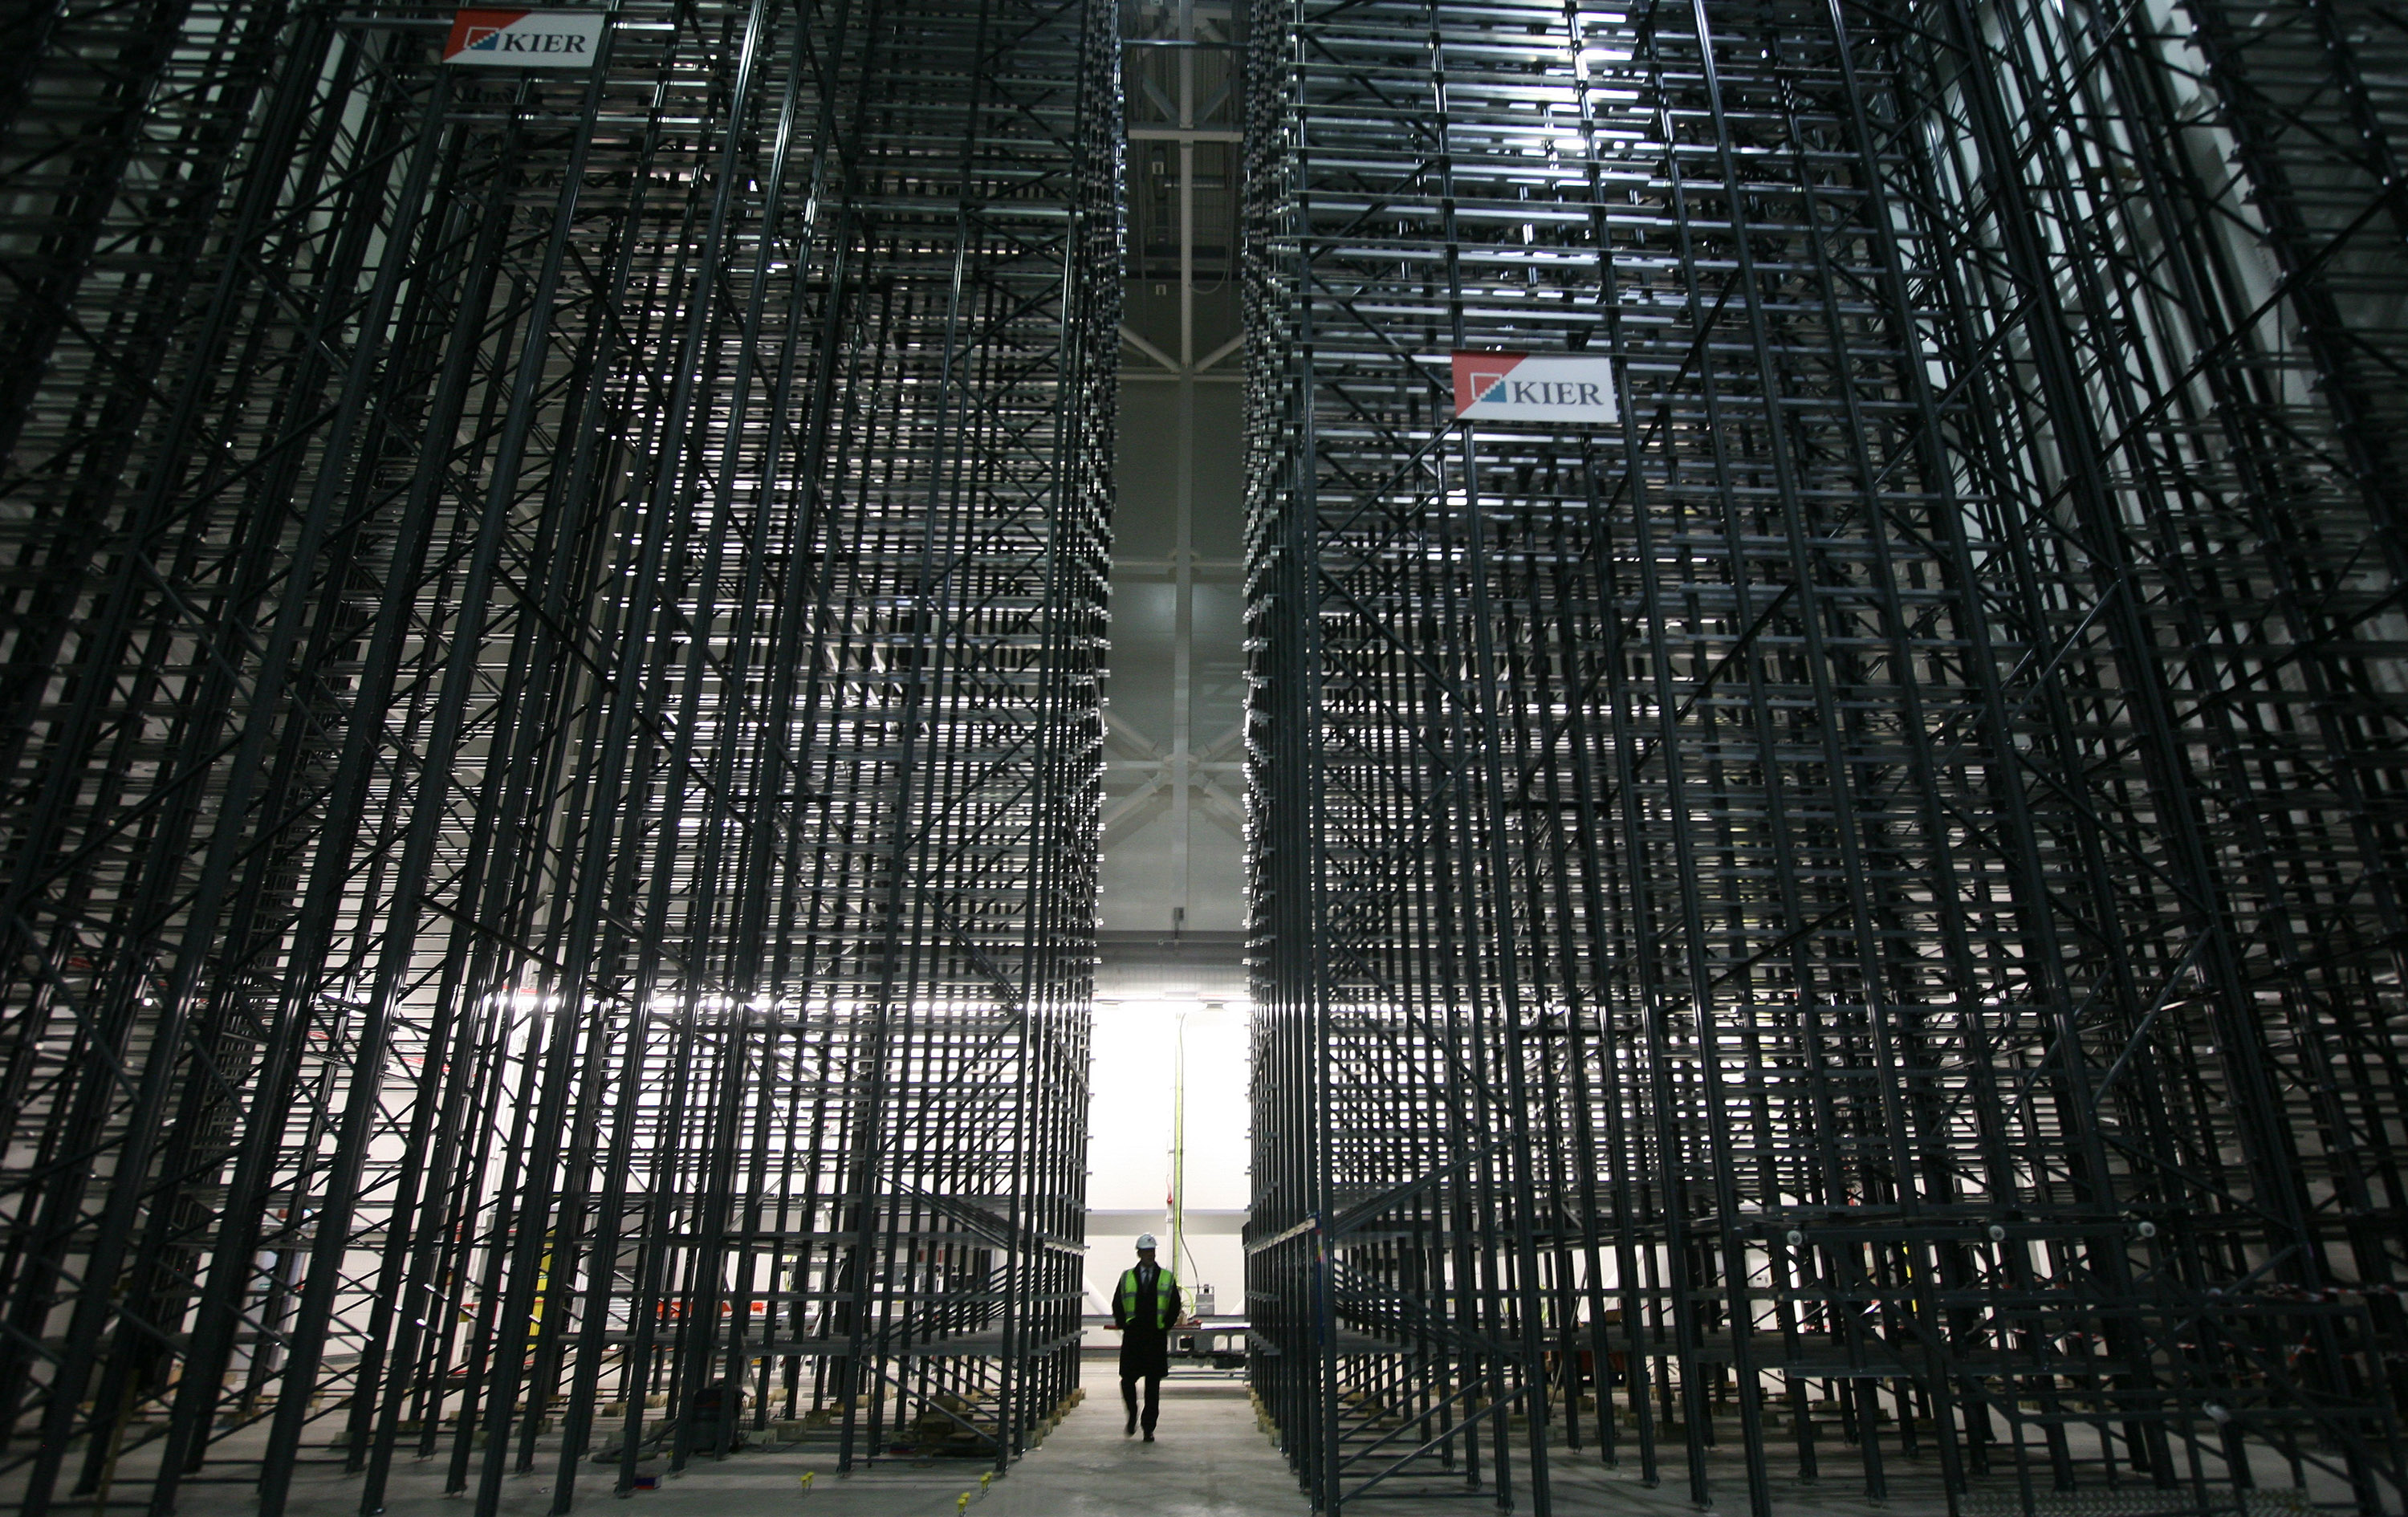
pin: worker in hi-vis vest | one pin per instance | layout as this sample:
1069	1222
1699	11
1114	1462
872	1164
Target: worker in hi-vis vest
1145	1308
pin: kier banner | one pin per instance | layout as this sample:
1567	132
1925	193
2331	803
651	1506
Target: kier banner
1534	387
525	38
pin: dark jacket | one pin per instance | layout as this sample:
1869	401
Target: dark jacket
1140	1310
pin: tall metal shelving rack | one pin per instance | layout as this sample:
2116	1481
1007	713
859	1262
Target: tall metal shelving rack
551	746
1851	923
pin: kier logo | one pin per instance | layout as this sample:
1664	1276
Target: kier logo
1487	385
1534	387
525	38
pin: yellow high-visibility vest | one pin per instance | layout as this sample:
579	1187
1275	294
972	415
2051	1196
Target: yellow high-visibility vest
1165	1290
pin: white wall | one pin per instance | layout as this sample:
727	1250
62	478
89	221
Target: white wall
1129	1140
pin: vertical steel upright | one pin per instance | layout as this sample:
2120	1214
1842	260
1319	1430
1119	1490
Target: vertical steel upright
552	758
1854	915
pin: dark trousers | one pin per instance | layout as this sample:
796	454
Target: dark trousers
1153	1398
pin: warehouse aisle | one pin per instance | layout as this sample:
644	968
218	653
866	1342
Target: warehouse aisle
1208	1461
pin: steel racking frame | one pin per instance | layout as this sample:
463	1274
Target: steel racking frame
1861	905
553	626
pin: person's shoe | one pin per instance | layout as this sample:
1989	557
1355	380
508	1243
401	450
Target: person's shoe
1130	1431
1149	1435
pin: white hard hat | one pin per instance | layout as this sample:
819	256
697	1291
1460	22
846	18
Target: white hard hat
1145	1241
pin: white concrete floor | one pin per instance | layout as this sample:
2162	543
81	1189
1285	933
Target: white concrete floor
1207	1461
